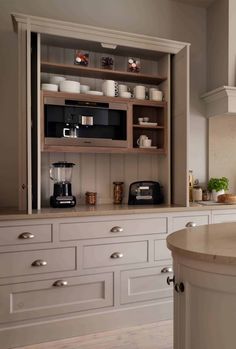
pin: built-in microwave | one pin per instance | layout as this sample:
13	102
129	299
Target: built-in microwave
88	123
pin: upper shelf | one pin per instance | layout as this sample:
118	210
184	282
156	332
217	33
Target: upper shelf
68	69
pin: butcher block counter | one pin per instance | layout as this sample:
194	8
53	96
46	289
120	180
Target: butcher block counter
204	286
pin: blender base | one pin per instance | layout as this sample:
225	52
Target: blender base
62	201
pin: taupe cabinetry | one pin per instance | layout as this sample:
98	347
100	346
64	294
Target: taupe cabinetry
163	61
97	273
223	216
189	219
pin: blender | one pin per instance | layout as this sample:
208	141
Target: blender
61	173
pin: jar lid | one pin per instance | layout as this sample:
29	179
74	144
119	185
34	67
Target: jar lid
118	182
90	193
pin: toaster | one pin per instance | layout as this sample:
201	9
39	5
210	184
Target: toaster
144	193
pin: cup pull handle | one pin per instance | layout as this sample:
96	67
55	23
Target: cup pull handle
191	225
39	263
167	270
116	255
116	229
60	283
25	236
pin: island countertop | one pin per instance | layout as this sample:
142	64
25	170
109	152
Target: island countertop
214	243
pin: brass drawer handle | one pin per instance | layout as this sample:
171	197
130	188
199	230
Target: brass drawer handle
116	255
191	225
39	263
60	283
116	229
25	236
167	270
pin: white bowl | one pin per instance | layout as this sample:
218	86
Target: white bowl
49	87
56	79
69	86
84	88
96	93
125	94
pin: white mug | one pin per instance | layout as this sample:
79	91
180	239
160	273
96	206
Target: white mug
156	95
141	140
108	88
150	91
139	92
147	143
122	88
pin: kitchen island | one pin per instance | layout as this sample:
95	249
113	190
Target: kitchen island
205	286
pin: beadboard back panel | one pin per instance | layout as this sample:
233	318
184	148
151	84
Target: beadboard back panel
97	172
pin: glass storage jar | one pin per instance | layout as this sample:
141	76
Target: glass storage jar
117	192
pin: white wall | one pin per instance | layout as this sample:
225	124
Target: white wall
162	18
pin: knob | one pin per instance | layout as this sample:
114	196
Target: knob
167	270
26	235
39	263
191	225
179	288
116	230
60	283
116	255
169	280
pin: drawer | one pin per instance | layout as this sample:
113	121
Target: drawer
180	222
36	262
43	298
85	230
161	252
115	254
144	285
25	234
224	217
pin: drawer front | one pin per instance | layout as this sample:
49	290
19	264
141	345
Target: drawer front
36	262
42	298
144	285
161	252
25	234
115	254
224	217
85	230
180	222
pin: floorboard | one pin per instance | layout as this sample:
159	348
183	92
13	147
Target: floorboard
152	336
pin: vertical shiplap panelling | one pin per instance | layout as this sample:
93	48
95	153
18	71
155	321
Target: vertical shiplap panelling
144	167
76	175
103	179
87	175
154	162
45	184
130	170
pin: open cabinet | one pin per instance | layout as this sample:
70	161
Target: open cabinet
47	48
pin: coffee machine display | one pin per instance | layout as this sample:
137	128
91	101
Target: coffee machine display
61	173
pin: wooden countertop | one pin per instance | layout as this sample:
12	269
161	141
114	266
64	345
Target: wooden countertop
214	243
104	210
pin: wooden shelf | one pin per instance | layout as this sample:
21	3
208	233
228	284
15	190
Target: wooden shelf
148	127
98	73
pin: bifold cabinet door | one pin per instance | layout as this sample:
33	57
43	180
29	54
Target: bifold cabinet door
180	127
144	285
55	296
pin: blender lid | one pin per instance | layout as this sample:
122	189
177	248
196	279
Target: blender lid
63	164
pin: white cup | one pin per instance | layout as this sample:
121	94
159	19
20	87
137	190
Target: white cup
84	88
141	140
139	92
147	143
146	119
108	88
140	120
122	88
156	95
125	94
150	91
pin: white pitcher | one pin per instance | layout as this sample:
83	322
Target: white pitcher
141	139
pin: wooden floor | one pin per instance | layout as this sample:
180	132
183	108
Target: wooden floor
152	336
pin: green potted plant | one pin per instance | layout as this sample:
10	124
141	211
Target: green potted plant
217	186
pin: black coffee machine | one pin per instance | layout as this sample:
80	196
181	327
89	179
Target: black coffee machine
61	173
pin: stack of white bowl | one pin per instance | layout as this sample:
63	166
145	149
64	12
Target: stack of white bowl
60	83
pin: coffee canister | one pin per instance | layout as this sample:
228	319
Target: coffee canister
90	198
117	192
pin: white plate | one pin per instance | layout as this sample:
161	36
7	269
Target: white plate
49	87
145	123
152	147
96	93
69	86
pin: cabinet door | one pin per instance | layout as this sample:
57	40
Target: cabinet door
205	311
180	127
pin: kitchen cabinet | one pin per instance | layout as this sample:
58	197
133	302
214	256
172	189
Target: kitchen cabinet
47	46
83	275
